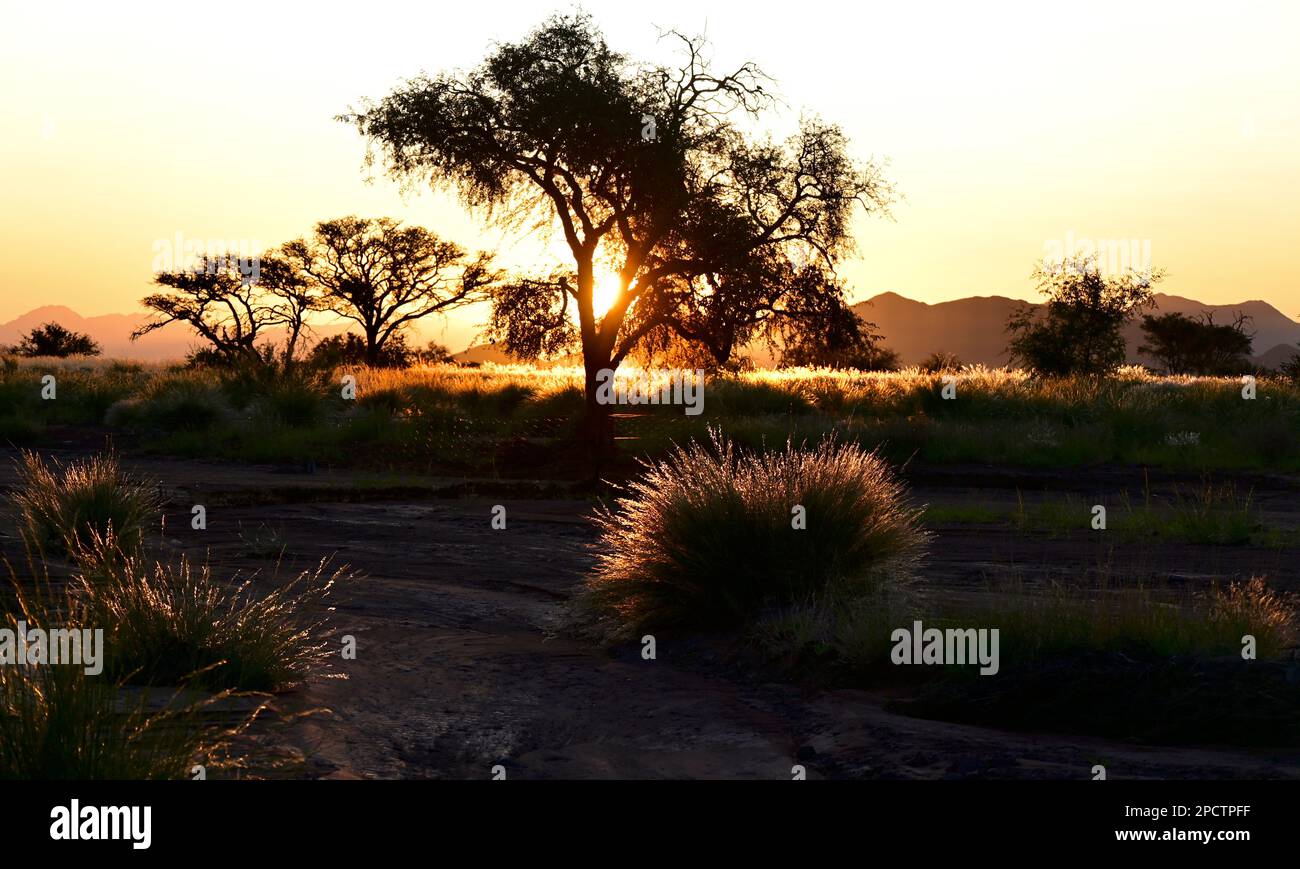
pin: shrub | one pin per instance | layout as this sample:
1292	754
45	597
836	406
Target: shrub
190	402
705	538
51	339
70	507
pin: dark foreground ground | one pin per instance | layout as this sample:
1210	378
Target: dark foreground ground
460	666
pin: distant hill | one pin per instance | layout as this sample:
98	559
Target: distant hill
1277	356
112	331
975	328
481	353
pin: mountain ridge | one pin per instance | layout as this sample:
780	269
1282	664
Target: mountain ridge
972	327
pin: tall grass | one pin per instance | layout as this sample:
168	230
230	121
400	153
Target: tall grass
711	536
447	415
170	625
1130	664
70	507
1140	623
58	722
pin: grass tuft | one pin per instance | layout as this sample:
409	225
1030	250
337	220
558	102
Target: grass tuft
707	537
69	508
173	625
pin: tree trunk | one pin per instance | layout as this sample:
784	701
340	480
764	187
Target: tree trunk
596	429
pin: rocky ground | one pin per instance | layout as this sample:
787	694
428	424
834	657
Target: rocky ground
460	666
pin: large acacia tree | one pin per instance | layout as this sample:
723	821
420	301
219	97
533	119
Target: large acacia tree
648	172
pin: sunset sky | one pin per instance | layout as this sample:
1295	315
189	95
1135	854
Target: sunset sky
1007	127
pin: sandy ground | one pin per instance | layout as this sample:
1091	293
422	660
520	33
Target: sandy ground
459	667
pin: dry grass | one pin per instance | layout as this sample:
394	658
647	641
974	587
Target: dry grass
708	537
71	507
170	625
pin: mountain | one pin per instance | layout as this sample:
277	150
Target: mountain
1277	356
481	353
975	328
112	331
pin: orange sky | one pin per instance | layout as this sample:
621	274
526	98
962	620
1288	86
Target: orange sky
1009	128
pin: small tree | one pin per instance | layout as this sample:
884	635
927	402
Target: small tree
834	338
384	276
1183	345
940	361
351	349
233	307
1079	329
51	339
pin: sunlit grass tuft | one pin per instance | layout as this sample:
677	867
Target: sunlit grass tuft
170	625
69	507
711	536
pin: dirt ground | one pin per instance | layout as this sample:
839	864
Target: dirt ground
459	667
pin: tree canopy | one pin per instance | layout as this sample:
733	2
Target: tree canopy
384	276
52	339
1183	345
1079	329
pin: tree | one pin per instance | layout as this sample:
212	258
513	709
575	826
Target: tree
1183	345
710	233
1291	368
385	276
351	349
51	339
1079	329
940	361
835	338
233	306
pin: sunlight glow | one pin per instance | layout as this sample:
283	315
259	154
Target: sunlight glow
605	291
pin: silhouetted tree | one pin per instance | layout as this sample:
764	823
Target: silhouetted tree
351	349
1183	345
384	276
233	307
1079	329
1291	368
51	339
647	173
834	337
940	361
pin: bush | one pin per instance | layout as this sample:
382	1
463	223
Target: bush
190	402
705	538
71	507
54	340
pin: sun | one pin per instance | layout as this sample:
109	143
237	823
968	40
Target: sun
605	292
